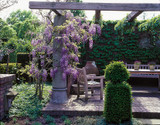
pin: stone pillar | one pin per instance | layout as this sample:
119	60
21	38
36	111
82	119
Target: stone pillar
59	87
5	83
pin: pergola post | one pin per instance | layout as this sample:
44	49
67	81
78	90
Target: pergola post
59	87
97	16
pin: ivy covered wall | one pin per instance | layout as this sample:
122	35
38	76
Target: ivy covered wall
126	46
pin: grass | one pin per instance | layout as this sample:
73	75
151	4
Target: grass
25	103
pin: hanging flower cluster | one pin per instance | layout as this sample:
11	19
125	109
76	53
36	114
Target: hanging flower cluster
67	37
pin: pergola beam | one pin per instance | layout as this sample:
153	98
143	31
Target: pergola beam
58	12
95	6
133	15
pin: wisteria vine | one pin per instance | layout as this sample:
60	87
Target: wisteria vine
74	31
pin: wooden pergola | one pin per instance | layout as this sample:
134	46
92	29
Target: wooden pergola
136	8
59	89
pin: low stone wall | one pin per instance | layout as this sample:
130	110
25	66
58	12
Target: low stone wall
5	84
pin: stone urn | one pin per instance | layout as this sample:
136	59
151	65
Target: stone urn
91	68
136	66
151	67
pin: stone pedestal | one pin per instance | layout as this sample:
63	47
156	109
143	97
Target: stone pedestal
5	84
59	90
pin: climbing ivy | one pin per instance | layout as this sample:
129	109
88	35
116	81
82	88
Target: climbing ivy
122	44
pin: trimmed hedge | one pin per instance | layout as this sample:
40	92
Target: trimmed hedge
19	58
13	68
116	72
118	103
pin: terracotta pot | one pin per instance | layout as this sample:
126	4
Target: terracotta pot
91	68
136	67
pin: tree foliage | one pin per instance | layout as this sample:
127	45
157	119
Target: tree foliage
20	16
24	23
6	31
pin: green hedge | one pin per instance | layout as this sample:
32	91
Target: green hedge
13	68
116	72
17	57
118	103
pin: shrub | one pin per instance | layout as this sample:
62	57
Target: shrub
49	119
12	68
118	102
1	123
63	117
116	72
67	122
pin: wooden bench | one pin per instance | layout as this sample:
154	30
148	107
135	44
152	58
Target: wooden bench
131	66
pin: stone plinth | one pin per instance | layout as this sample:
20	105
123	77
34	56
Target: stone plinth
5	84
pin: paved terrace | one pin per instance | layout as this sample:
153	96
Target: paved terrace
146	104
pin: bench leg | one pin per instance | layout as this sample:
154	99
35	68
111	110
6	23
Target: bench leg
159	83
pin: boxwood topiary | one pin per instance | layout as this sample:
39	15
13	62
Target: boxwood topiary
116	72
118	103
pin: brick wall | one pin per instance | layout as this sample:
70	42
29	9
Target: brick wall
5	84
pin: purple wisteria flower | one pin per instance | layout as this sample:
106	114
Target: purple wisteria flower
90	43
32	70
69	15
98	29
33	53
53	72
64	75
71	34
37	73
76	59
42	63
75	73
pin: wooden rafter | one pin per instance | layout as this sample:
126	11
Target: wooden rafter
95	6
57	12
133	15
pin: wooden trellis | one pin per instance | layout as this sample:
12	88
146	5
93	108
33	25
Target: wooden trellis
136	8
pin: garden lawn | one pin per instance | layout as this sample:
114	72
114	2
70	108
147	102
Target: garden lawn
26	103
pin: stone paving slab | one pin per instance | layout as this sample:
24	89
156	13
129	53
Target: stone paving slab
146	104
150	121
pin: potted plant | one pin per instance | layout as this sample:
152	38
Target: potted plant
151	65
137	64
